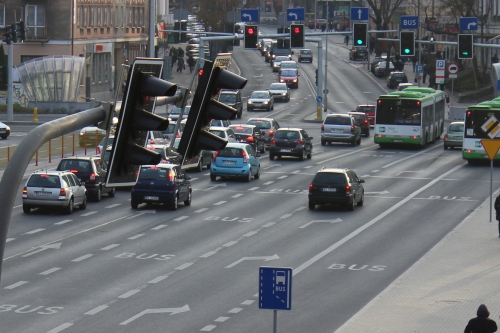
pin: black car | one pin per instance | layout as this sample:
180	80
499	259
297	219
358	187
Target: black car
358	52
233	99
91	171
291	142
250	134
336	186
395	78
161	184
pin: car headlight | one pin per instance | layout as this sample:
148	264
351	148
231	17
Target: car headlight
249	102
294	81
284	94
266	102
274	56
8	128
281	80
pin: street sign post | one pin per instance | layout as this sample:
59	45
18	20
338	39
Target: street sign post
409	22
359	14
491	147
249	15
275	290
468	23
295	14
440	64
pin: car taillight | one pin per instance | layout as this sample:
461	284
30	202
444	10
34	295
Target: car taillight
310	188
92	177
322	128
152	141
62	192
245	156
250	139
215	156
171	176
352	129
25	190
366	121
73	171
97	151
347	190
300	142
177	135
271	133
273	142
136	173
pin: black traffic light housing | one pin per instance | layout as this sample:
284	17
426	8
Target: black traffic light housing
316	76
21	30
13	33
360	34
407	43
297	35
7	33
251	36
465	46
204	108
135	121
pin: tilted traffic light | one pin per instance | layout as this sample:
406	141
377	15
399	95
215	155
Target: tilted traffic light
13	33
465	46
135	121
20	31
407	43
360	32
316	77
7	33
297	35
251	36
204	108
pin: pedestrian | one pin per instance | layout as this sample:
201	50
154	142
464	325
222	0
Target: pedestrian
497	211
481	324
175	51
180	53
425	73
180	64
347	40
191	62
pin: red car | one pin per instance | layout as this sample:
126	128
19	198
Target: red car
369	110
290	77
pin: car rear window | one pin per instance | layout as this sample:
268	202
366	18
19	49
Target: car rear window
261	124
336	120
277	87
359	117
152	173
456	128
242	130
399	75
218	133
365	109
330	178
305	52
287	135
230	152
75	166
44	180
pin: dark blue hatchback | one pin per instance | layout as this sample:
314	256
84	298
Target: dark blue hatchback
162	184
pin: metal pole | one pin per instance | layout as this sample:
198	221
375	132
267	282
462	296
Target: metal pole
315	14
491	188
152	20
325	105
275	324
319	88
10	83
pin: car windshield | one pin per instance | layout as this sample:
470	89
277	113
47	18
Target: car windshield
227	98
277	87
398	75
161	151
287	135
305	52
110	141
230	152
365	109
153	173
242	130
261	124
337	120
288	65
330	178
218	133
74	165
259	95
280	59
288	73
456	128
44	180
170	129
177	110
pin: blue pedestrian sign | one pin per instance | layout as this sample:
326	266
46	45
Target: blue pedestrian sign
409	22
275	288
319	99
295	14
359	14
468	23
249	15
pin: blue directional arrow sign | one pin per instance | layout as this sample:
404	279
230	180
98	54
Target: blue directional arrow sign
319	99
275	288
409	22
359	14
249	15
295	14
468	23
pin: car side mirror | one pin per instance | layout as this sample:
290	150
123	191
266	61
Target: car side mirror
361	181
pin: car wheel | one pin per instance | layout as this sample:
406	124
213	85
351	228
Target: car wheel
271	156
323	142
26	209
70	206
134	204
249	176
309	155
362	201
358	142
239	114
303	155
213	177
83	205
263	148
98	195
353	143
350	206
446	147
112	193
312	205
174	203
272	107
257	175
199	167
288	99
187	202
268	108
4	137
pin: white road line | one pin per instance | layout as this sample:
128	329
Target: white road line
237	195
208	254
221	319
201	210
15	285
267	225
109	247
158	227
89	213
219	203
82	258
180	218
285	216
253	188
231	243
60	328
251	233
235	310
49	271
136	236
375	171
113	206
9	240
183	266
269	182
307	167
33	231
96	310
62	222
282	177
297	171
208	328
248	302
158	279
129	293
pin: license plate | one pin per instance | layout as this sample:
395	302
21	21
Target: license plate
285	150
151	198
43	194
338	130
327	189
229	162
457	138
397	140
2	130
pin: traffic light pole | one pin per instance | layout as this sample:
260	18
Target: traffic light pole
10	83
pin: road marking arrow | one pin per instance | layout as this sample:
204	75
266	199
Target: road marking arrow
383	192
324	221
215	186
253	258
166	310
55	246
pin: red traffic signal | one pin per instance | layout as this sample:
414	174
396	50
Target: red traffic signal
250	31
250	36
297	35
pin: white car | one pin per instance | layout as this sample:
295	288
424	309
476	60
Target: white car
4	131
223	132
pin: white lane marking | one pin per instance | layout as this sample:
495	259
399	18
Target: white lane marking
307	167
267	225
285	216
219	203
136	236
180	218
9	240
60	328
375	171
96	310
158	279
158	227
269	182
208	328
372	222
237	195
235	310
183	266
208	254
82	258
113	206
297	171
109	247
33	231
248	302
62	222
231	243
251	233
89	213
282	177
221	319
201	210
253	188
15	285
49	271
129	293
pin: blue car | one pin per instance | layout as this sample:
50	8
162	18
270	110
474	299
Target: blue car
162	184
236	160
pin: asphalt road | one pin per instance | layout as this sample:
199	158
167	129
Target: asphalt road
113	269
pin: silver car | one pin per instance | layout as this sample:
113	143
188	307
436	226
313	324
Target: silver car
276	62
340	128
60	189
260	99
280	91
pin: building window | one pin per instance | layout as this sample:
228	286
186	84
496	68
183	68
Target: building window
81	17
35	21
101	68
95	17
2	15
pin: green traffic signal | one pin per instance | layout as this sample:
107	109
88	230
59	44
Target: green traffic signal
359	41
407	51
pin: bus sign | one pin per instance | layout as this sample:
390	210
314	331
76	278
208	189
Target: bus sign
491	127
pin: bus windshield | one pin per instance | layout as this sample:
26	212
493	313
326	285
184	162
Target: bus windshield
398	112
